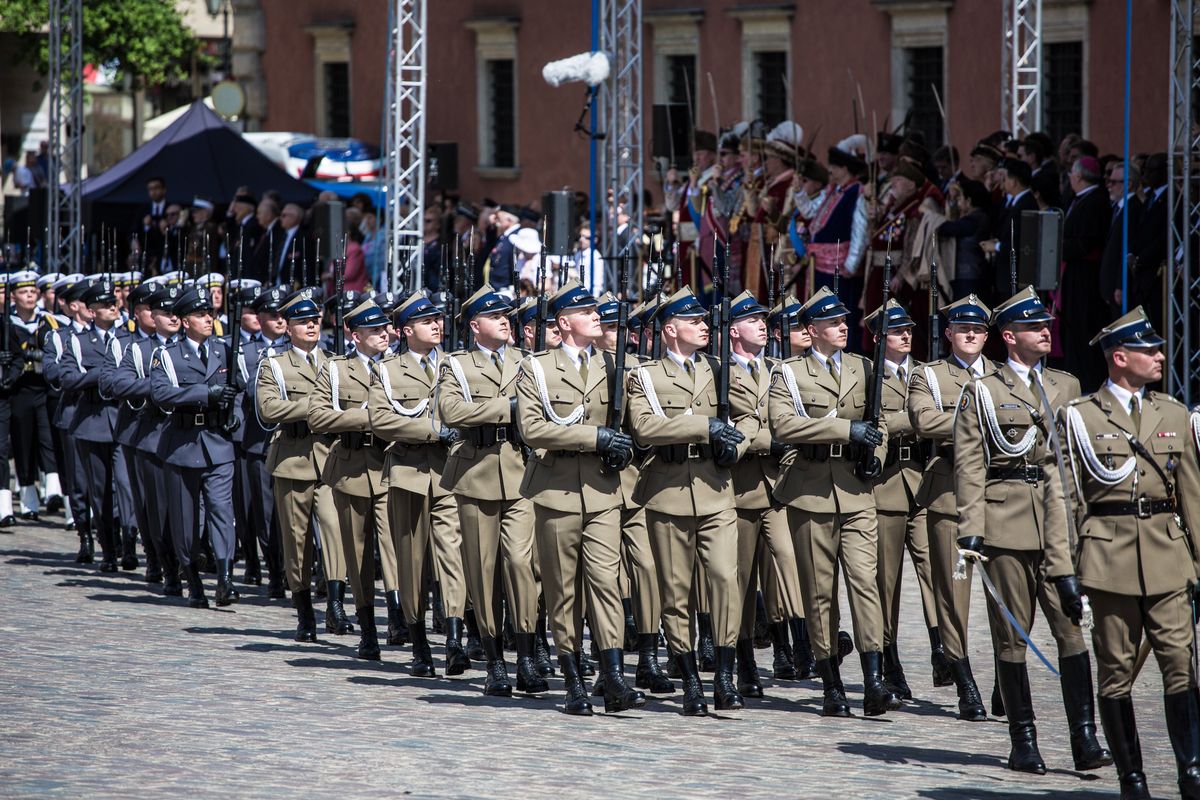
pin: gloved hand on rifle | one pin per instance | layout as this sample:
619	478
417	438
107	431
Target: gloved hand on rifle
615	446
448	436
6	358
221	395
33	354
865	433
724	439
779	449
1070	596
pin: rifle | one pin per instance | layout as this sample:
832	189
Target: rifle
868	467
776	271
226	415
721	326
339	285
934	344
1012	259
616	406
539	332
837	266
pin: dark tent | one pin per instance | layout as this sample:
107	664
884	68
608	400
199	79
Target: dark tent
199	156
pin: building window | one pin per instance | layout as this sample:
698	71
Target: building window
337	98
766	63
923	76
1062	88
501	123
771	99
681	80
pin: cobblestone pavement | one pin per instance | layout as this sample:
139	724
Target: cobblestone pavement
109	690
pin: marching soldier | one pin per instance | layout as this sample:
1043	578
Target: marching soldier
573	480
295	458
401	409
902	523
1134	457
354	467
477	394
190	380
32	437
817	402
687	491
933	395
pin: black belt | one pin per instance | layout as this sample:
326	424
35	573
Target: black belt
564	453
190	420
824	452
681	453
1142	508
297	430
1030	473
945	450
903	449
488	435
359	440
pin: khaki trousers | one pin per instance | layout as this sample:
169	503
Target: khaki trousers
408	513
360	519
639	564
498	551
446	542
295	503
897	532
781	585
581	562
952	599
1020	581
679	542
1122	619
821	542
749	523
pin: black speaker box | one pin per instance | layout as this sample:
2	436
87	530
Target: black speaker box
559	208
1040	249
441	166
329	223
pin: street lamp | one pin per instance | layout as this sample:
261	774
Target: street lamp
222	7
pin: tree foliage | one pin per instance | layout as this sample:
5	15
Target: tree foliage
146	39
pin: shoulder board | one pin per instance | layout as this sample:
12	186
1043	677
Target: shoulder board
538	354
457	352
131	326
1085	398
1160	397
1059	371
51	321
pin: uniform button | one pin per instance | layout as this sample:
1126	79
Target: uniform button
842	404
1141	472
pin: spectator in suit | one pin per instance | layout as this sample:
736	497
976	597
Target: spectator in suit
1113	261
969	205
1035	151
1085	231
266	249
1149	256
1007	236
147	228
292	248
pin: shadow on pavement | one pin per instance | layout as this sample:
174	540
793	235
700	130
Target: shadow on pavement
975	793
904	754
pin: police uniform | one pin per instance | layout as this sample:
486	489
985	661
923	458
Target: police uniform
902	523
1134	458
295	459
573	481
354	468
190	379
476	394
689	501
934	390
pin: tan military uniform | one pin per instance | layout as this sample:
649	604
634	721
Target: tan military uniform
638	556
933	394
1009	493
296	457
902	522
484	471
689	500
1135	567
576	503
354	468
400	406
830	510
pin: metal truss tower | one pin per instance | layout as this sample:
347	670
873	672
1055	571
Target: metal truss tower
404	140
64	212
1021	101
1182	287
620	115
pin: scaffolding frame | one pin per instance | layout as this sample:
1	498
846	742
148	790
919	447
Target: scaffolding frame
64	204
1021	57
404	137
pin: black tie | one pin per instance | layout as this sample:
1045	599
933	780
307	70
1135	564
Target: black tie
203	355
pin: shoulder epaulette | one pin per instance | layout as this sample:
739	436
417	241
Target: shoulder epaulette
1166	398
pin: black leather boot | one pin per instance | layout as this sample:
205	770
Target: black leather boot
129	559
207	562
276	585
227	595
1120	729
586	668
1183	726
618	695
457	661
528	678
172	585
631	632
306	620
725	693
845	646
834	704
693	689
893	673
496	683
997	699
970	704
336	620
196	598
802	654
877	698
438	621
108	548
87	547
747	670
649	675
1078	699
541	650
577	698
762	624
1014	688
507	631
422	663
783	667
942	674
706	652
319	579
397	632
673	670
368	638
154	572
474	646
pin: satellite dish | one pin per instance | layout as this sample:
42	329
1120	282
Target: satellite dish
229	100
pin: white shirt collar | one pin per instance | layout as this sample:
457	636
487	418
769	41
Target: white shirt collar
366	359
1123	395
196	348
1012	199
432	357
906	364
500	352
823	360
1022	371
975	368
573	353
678	359
744	363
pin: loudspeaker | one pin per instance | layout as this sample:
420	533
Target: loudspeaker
672	137
441	166
1039	253
559	208
329	223
38	219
